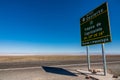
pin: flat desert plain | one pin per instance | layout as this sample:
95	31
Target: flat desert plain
113	61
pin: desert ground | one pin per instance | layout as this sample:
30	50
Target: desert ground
41	60
67	62
26	58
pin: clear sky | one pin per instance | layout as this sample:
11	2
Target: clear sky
47	26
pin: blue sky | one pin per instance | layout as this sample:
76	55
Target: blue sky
51	26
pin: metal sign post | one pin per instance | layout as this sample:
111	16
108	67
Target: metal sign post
104	60
88	57
95	29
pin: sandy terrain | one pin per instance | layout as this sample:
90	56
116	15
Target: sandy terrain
56	57
33	61
41	74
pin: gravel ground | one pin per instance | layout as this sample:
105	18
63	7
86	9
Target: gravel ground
52	73
38	74
49	70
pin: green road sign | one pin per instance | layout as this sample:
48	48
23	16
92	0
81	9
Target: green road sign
95	28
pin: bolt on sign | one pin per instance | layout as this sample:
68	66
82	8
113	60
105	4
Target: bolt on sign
95	28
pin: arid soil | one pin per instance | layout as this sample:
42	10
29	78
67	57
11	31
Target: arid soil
37	60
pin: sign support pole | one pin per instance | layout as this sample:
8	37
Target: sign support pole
88	57
96	30
104	60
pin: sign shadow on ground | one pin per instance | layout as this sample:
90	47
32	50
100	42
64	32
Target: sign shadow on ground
57	70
